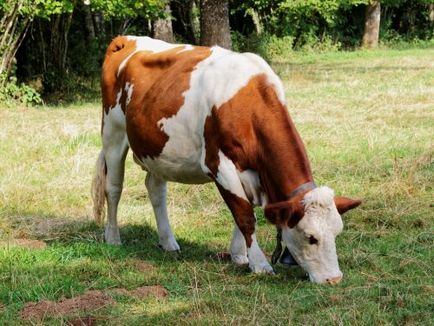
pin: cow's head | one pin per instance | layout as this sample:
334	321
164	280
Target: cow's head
310	223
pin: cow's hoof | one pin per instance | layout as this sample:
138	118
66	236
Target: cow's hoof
170	245
264	268
112	236
240	259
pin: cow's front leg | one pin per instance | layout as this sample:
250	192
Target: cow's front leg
232	191
157	190
238	249
245	219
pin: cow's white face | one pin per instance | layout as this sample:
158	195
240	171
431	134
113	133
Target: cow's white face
311	240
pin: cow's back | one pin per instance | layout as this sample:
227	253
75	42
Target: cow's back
167	92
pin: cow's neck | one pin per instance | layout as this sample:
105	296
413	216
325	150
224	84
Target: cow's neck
283	164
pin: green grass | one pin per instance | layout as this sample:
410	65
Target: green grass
367	119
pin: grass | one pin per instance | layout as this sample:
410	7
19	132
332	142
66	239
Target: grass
367	119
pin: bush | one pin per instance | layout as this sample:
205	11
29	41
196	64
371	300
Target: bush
268	46
312	43
14	92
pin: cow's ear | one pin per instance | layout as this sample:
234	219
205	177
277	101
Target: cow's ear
284	213
344	204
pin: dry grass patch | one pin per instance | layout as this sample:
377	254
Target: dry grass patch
367	121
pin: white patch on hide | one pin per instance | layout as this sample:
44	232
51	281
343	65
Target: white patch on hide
258	263
144	43
252	187
228	178
187	47
322	196
238	248
129	89
272	78
115	115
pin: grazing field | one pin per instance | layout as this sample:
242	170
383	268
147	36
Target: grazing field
367	119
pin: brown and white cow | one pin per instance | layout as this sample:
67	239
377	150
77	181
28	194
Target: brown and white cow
196	114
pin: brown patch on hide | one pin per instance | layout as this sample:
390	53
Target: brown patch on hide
242	211
117	51
255	131
286	213
159	80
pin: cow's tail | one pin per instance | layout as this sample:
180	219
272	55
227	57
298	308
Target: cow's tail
98	189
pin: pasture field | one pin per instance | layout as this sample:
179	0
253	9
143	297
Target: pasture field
367	119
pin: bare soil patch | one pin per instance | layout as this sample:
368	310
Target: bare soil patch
141	266
89	301
143	292
26	243
84	321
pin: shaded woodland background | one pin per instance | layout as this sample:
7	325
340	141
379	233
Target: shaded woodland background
52	50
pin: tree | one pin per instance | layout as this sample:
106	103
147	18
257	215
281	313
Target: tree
163	26
371	31
431	13
214	23
15	21
17	18
186	19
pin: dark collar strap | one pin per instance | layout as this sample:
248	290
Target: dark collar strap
305	186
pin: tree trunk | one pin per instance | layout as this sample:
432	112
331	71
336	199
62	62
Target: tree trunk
431	13
99	25
214	23
59	42
372	25
184	21
89	22
13	29
163	27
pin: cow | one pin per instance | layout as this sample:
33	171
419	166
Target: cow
194	114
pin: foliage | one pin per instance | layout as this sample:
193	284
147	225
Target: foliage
130	8
338	23
271	47
13	92
62	40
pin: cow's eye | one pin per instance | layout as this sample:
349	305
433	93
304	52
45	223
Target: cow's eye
313	240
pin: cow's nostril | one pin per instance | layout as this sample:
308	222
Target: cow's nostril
334	280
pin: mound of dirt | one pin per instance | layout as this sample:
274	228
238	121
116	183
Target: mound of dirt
141	266
27	243
143	292
89	301
84	321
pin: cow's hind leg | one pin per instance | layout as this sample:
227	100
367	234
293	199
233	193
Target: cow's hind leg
115	148
157	189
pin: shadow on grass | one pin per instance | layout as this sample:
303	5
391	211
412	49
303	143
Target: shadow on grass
138	240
